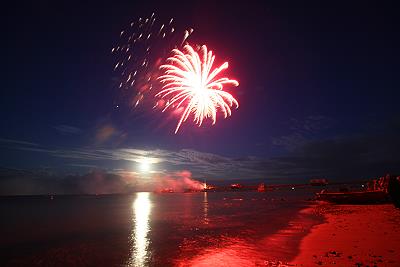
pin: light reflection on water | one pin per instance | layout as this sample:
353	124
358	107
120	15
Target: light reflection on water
146	229
139	236
205	207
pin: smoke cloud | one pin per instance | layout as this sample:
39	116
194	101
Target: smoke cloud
23	182
176	182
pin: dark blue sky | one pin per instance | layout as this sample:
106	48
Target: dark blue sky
318	91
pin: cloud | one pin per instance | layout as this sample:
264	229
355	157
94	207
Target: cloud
42	182
67	129
356	157
16	142
39	182
104	133
87	166
202	164
107	133
351	157
290	142
303	131
310	124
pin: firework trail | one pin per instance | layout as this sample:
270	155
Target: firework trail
190	81
139	52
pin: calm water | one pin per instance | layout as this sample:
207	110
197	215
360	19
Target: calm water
147	229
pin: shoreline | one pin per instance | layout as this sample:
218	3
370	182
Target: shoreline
275	250
352	235
284	245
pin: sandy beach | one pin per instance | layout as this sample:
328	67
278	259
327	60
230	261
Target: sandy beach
353	235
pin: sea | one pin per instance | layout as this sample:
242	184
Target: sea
156	229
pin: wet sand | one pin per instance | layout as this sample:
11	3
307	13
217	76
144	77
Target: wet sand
353	235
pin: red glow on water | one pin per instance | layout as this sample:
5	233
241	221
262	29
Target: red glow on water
236	252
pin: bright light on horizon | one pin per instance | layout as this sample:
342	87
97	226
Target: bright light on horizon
145	165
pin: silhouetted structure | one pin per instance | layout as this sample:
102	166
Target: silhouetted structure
394	189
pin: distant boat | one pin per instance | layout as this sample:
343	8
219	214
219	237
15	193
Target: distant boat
362	197
261	187
236	186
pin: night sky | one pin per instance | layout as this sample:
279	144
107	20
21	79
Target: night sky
318	95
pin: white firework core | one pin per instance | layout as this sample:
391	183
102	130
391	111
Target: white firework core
189	81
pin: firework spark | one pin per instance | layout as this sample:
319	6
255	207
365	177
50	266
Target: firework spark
138	53
189	81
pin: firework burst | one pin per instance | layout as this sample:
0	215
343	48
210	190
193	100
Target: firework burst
189	81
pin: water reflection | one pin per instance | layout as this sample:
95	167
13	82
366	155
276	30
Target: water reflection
205	208
139	237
